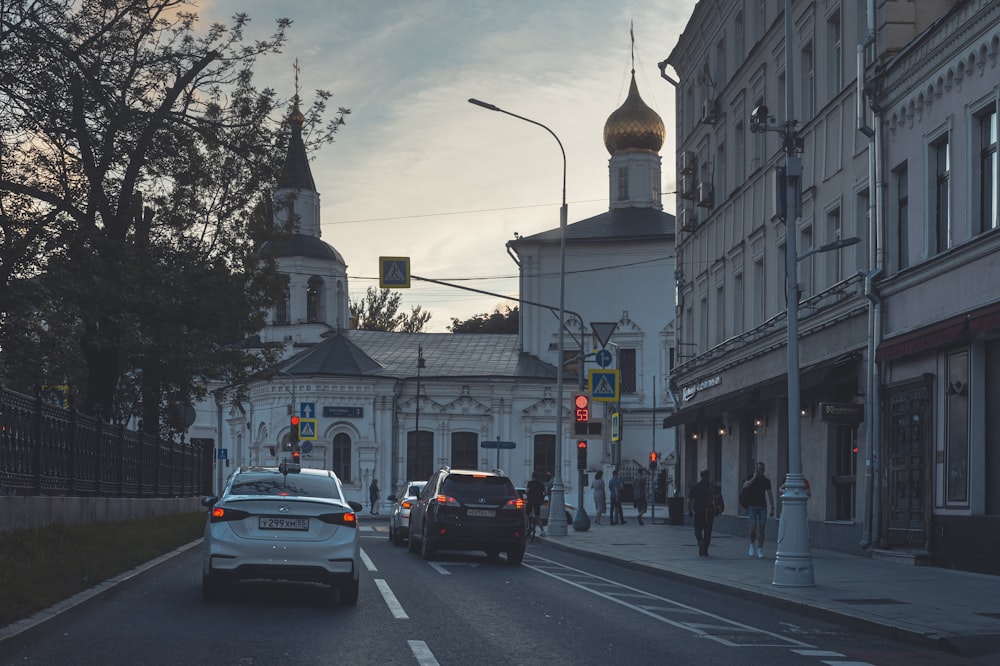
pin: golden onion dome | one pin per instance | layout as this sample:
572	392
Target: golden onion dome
296	119
634	126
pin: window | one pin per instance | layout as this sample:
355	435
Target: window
720	173
737	303
845	472
623	183
835	259
986	129
703	337
807	267
808	77
545	455
738	46
314	300
957	434
464	450
720	62
419	454
835	79
757	141
720	315
627	368
739	154
281	314
902	213
342	456
759	20
759	291
940	187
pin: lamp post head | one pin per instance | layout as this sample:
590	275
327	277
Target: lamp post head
485	105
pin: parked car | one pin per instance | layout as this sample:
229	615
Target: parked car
282	524
543	516
469	510
399	516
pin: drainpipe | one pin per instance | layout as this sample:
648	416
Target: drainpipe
872	489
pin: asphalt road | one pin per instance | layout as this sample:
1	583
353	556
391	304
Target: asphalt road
557	608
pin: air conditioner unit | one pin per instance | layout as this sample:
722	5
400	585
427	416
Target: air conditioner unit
688	189
688	220
688	162
708	111
705	199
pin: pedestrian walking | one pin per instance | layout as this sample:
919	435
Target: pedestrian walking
374	496
639	495
535	499
704	515
756	496
615	494
600	496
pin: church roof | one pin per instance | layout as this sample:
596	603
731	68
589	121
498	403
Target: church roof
618	224
633	125
301	245
296	174
394	355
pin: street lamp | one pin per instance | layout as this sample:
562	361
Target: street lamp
557	497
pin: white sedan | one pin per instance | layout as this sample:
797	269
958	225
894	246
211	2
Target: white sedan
282	524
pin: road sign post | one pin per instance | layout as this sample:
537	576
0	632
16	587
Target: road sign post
498	445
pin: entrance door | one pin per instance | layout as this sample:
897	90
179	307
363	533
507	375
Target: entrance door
906	467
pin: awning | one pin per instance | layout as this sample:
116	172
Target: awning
941	334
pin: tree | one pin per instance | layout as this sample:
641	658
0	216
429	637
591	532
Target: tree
135	153
379	311
494	322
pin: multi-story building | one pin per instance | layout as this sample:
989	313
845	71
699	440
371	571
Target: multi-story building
877	93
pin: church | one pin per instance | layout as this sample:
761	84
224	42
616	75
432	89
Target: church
398	406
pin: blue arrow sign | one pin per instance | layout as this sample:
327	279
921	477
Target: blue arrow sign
603	358
307	410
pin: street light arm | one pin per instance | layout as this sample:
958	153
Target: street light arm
830	247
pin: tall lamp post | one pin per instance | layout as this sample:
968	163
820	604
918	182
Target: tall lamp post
557	496
793	565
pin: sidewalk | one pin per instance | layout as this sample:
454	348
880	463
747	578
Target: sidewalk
938	608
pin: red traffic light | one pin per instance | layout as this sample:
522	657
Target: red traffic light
652	456
581	407
295	420
582	444
296	456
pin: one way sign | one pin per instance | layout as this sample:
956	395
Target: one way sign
604	385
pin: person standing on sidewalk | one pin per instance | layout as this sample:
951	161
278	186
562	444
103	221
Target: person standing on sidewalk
639	494
758	496
535	499
374	495
700	496
615	490
600	496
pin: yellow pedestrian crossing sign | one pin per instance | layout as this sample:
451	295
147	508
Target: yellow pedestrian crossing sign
603	384
308	429
394	272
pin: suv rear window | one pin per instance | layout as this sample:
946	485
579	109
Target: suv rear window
466	487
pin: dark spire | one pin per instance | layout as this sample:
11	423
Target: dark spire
296	173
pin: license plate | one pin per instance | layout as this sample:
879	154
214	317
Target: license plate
278	523
481	513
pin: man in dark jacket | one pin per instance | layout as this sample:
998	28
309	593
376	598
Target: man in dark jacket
700	496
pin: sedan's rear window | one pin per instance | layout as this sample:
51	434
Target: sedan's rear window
296	485
466	486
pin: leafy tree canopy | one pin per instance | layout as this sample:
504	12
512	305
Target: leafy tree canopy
136	155
379	311
493	322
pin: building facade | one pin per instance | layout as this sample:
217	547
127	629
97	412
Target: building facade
873	89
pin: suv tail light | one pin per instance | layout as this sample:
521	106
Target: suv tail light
514	504
447	500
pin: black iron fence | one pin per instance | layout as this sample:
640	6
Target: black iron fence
46	449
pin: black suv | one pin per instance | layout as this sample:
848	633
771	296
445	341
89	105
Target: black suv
469	510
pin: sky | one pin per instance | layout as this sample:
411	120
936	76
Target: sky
419	172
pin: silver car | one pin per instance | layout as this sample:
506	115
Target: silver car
399	517
282	524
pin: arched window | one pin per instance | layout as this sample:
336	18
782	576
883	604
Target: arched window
314	300
342	456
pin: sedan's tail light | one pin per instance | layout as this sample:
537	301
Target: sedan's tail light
407	504
348	519
222	514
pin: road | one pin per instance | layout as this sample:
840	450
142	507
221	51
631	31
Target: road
557	608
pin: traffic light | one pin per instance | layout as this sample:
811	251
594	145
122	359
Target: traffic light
581	407
296	457
653	456
293	435
581	454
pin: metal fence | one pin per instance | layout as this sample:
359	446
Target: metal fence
49	450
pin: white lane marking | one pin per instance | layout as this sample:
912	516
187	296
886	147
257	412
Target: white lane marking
423	653
848	663
577	578
440	566
817	653
390	600
368	561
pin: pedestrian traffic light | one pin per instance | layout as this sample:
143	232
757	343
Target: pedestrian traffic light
293	435
296	456
581	407
653	457
581	454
